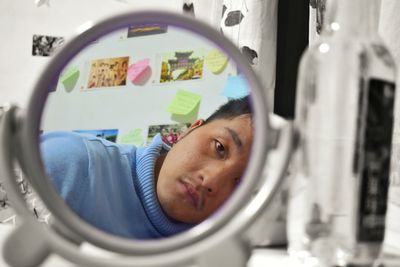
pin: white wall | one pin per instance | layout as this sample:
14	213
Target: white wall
133	106
21	19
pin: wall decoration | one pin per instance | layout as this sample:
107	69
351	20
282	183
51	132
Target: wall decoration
108	134
182	65
235	87
43	45
188	7
40	3
184	103
139	72
169	132
69	78
146	29
233	18
108	72
250	54
216	61
34	204
224	8
133	137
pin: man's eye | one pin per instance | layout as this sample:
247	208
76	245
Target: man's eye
220	149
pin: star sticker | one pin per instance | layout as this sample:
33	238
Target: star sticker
40	3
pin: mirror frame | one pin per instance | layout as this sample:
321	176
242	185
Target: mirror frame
239	204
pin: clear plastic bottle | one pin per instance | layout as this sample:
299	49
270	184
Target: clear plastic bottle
344	113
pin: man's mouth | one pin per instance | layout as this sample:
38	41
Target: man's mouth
193	195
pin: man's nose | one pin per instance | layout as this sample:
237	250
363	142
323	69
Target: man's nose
211	180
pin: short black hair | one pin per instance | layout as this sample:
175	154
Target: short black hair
232	109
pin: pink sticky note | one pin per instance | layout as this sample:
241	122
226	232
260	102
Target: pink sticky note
138	70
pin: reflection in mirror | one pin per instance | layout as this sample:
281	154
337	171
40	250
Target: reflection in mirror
148	131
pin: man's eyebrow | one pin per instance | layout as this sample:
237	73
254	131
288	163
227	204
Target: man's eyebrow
235	137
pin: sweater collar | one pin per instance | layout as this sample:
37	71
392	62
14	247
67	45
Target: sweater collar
145	184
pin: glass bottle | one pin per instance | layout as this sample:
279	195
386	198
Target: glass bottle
298	243
344	113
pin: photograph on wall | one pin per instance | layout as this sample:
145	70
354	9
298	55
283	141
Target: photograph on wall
169	132
45	46
181	65
146	29
108	72
108	134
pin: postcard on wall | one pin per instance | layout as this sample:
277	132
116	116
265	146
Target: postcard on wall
108	134
146	29
107	72
169	132
181	65
43	45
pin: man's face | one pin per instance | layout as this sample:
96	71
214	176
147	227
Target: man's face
201	171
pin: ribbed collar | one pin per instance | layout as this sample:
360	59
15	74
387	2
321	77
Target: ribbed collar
145	185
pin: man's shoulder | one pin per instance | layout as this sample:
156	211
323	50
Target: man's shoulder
63	141
63	147
82	148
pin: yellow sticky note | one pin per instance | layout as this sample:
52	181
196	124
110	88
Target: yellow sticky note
134	137
183	103
216	61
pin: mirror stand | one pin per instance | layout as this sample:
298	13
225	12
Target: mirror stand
26	245
233	251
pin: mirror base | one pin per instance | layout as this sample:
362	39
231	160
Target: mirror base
26	247
232	252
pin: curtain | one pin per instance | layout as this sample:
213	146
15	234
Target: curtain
251	25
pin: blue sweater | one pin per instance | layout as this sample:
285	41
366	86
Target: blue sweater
111	186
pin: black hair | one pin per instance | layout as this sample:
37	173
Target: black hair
232	109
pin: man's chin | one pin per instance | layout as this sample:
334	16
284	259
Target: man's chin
186	219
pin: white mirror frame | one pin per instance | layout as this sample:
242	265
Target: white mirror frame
218	240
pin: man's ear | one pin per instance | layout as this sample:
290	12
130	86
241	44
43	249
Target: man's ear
194	125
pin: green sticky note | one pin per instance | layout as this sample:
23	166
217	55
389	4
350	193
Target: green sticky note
183	103
134	137
69	78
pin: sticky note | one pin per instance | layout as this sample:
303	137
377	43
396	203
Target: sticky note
138	70
235	87
216	61
134	137
69	78
183	103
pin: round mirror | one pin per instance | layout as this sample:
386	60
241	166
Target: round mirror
152	130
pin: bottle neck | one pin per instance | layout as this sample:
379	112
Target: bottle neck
358	17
